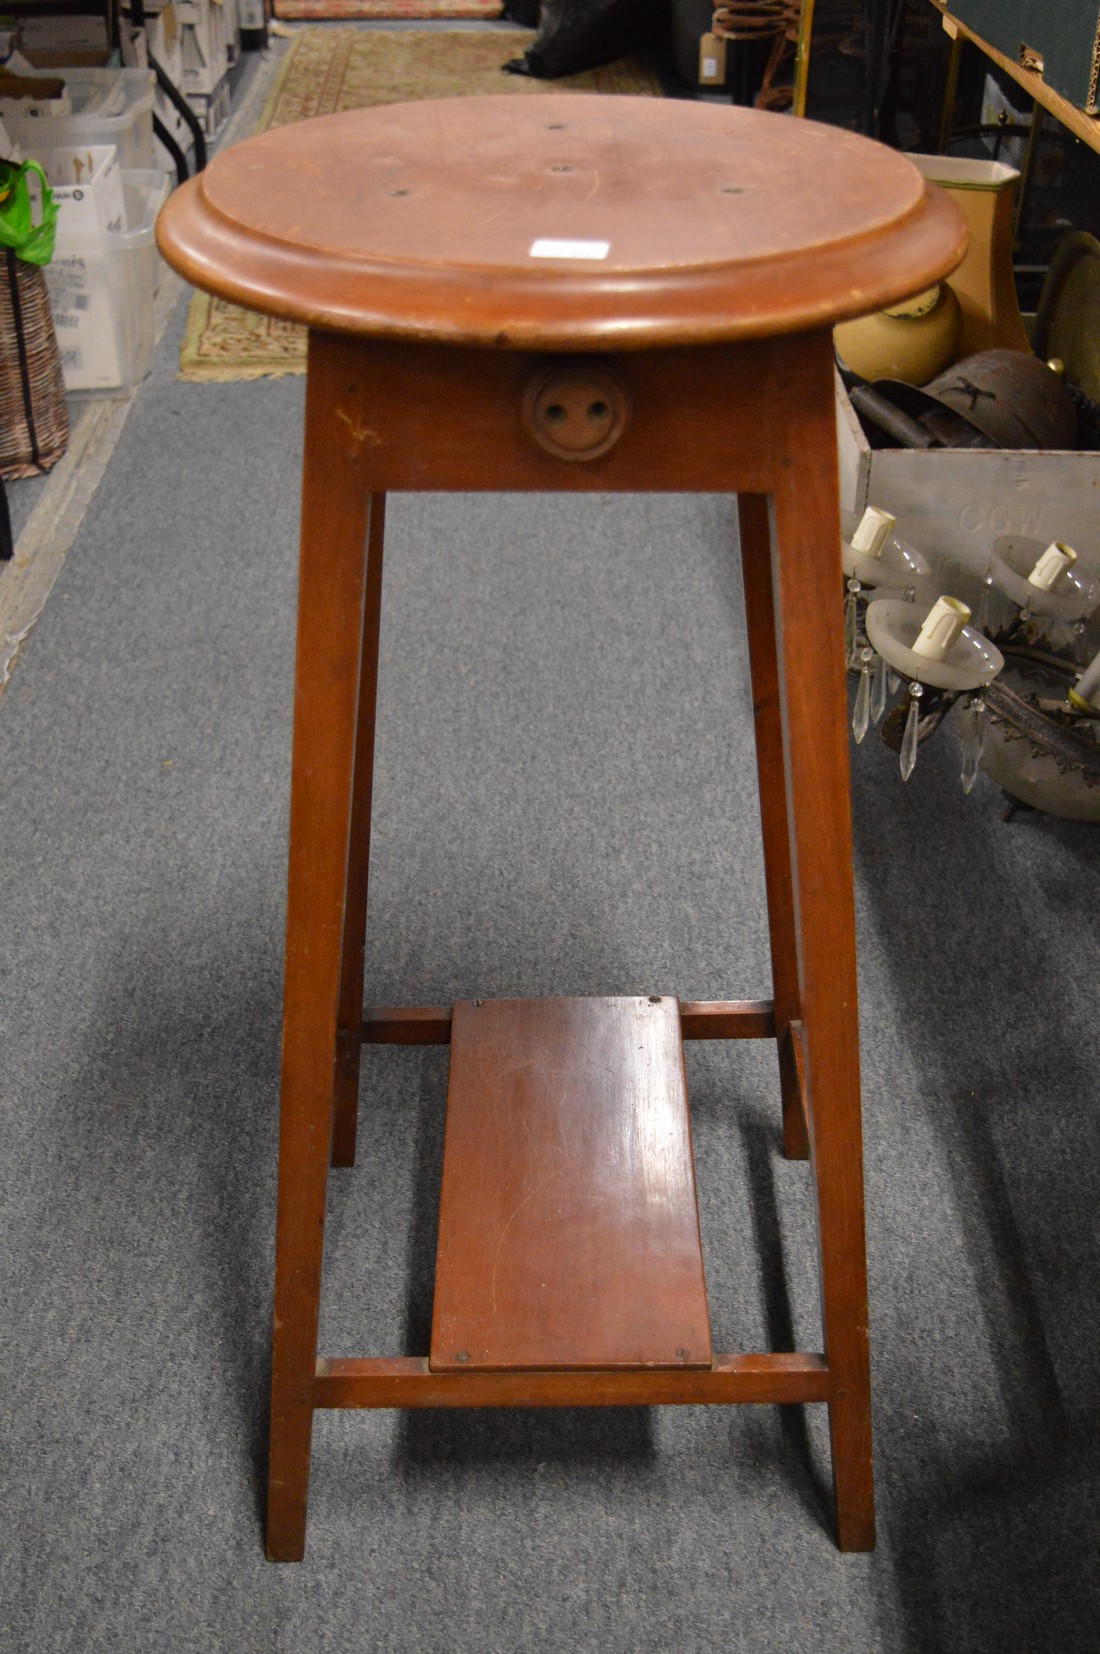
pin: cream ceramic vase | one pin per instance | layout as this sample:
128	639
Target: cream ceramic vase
984	192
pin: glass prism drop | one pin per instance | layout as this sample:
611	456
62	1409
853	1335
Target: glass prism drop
878	690
861	716
973	742
909	739
851	622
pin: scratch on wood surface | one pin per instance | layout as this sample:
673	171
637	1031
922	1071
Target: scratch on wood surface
361	435
462	236
504	1233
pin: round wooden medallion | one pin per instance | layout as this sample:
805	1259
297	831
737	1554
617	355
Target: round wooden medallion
577	412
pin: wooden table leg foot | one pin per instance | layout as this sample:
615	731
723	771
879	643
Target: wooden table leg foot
850	1440
849	1431
288	1482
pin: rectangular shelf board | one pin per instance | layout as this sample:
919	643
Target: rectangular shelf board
568	1233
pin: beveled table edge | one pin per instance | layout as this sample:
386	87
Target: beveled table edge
556	309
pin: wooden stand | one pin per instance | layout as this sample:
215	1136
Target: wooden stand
569	1268
778	441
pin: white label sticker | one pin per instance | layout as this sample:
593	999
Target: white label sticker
547	248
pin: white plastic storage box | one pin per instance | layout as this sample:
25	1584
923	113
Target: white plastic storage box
102	288
109	106
211	111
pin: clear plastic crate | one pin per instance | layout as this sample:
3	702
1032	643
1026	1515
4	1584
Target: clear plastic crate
109	106
102	290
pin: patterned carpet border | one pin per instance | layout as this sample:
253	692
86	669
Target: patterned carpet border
330	70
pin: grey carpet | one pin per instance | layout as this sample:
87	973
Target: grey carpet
566	803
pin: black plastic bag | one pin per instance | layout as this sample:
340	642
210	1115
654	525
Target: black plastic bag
580	34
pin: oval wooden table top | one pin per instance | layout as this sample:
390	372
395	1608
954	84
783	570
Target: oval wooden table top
561	222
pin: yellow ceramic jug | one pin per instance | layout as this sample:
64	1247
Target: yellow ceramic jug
913	341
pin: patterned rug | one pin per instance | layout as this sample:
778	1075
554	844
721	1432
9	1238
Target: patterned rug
329	70
317	11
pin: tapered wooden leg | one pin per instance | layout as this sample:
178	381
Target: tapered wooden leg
331	603
756	566
806	582
349	1037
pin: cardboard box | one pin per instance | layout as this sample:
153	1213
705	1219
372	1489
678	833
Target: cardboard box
87	186
35	109
51	102
52	41
165	41
960	500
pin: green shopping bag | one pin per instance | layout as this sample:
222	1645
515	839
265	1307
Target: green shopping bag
31	242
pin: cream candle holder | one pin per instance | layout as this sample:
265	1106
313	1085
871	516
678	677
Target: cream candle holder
969	662
1073	593
1055	562
872	552
940	628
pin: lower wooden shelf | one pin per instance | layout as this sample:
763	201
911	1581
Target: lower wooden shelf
569	1232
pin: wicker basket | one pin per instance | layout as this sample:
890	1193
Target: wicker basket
34	419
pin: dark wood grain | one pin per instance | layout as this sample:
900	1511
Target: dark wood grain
727	1019
348	1035
408	1381
793	1062
407	1025
568	1230
407	394
699	1019
756	574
